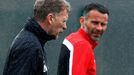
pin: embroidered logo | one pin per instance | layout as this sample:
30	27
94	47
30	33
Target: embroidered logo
45	68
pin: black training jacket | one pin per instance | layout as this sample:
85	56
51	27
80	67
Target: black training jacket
26	54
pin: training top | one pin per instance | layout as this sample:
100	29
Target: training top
77	55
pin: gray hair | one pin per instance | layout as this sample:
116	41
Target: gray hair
43	7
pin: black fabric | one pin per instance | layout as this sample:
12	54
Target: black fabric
26	54
63	65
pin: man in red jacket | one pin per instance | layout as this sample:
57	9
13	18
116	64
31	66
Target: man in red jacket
77	51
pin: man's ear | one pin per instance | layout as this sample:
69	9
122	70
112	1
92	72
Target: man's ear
50	17
82	20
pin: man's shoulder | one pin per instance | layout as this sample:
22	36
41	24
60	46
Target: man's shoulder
75	38
28	36
25	42
25	39
76	41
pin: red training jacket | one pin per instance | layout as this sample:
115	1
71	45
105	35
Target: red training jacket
77	55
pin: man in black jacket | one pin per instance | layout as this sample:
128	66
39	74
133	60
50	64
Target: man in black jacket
27	55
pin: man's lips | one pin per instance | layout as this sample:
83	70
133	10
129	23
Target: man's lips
97	34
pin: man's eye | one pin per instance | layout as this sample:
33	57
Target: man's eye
65	21
103	24
95	22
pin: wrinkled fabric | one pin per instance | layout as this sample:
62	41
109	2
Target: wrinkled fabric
26	54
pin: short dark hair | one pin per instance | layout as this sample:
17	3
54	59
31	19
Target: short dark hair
43	7
95	6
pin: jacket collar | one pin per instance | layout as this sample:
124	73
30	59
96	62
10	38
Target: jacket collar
33	26
87	37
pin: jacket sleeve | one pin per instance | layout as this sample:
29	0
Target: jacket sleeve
63	64
22	60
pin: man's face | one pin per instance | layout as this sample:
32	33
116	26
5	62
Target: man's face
96	24
58	24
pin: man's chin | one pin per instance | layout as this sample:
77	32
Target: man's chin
96	38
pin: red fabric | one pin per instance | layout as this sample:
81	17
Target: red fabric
83	62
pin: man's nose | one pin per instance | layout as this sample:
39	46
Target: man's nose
65	26
99	27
